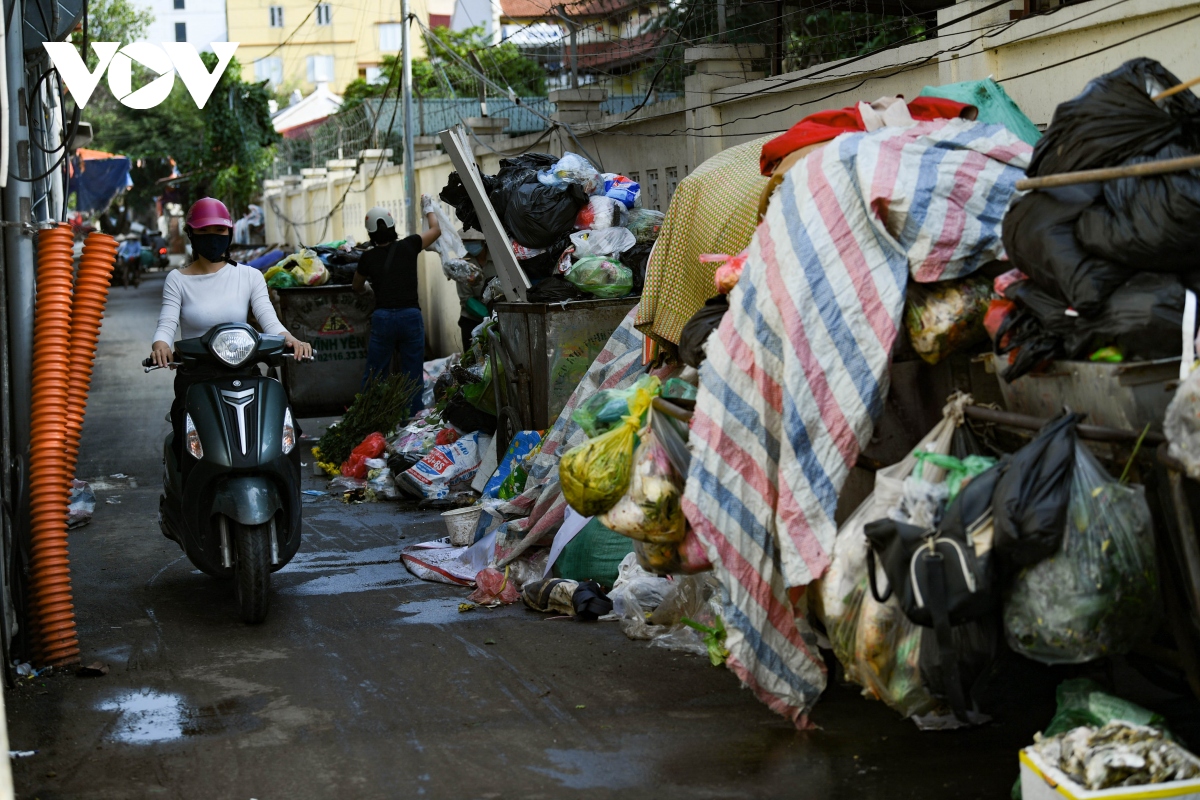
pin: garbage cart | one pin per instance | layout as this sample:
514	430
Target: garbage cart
546	348
337	322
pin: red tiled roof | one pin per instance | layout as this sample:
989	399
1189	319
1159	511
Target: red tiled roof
607	55
539	9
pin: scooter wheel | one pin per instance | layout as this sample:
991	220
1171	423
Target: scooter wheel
252	569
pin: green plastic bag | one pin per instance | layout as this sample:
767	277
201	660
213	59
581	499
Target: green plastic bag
282	280
958	471
604	409
602	276
594	554
480	394
994	104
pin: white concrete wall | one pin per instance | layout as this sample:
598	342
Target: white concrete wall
656	148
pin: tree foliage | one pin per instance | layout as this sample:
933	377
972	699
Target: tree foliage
441	75
810	37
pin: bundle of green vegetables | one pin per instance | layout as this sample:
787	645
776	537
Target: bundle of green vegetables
382	406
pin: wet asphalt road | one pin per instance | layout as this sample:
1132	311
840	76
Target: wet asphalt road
367	683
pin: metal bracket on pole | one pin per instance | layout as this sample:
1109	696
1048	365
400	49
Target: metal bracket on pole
512	277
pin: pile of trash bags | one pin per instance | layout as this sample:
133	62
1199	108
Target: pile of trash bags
630	476
1103	267
950	541
331	263
576	232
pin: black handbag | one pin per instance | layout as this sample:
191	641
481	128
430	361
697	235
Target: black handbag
943	577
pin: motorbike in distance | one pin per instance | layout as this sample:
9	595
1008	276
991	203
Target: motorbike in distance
231	489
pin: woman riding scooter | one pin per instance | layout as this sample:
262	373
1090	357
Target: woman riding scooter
211	290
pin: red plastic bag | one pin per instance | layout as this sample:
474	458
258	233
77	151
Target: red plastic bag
998	311
493	586
371	447
447	436
1002	282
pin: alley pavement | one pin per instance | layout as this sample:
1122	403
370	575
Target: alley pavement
365	682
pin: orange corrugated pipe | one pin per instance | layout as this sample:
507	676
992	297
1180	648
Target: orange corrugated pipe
55	641
91	294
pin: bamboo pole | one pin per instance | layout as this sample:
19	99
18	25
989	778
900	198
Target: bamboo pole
1110	173
1176	89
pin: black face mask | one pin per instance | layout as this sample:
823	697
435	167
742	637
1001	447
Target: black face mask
385	236
212	246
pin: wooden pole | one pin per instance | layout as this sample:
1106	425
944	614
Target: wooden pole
1143	170
1176	89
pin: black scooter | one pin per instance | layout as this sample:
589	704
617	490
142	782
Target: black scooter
233	504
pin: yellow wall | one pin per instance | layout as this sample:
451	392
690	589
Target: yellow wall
352	37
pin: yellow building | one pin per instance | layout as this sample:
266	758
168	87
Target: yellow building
297	44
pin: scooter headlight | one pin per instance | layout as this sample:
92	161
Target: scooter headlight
193	438
233	346
289	432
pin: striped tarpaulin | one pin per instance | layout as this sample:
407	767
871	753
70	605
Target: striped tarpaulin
798	369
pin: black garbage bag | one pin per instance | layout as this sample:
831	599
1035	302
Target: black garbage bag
1143	318
456	195
1150	223
467	417
636	259
1039	237
1031	497
1114	120
515	172
973	648
543	264
537	215
554	289
697	329
1026	345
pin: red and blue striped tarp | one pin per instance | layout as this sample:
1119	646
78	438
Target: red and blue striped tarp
798	369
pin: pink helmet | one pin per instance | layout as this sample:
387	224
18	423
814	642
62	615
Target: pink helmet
208	211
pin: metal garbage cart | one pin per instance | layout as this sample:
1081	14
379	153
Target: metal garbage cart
545	349
337	322
1129	395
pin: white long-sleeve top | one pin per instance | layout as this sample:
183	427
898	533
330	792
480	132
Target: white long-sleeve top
194	303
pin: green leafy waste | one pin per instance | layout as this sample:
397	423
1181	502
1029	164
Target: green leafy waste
382	406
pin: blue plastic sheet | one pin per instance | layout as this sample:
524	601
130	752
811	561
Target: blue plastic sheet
521	446
97	180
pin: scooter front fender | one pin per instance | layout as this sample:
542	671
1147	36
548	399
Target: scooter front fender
250	500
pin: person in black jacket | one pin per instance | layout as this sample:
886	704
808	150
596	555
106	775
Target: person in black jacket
397	341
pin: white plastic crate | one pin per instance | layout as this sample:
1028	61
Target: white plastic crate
1039	781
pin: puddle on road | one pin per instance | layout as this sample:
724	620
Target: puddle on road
146	717
357	571
149	717
592	769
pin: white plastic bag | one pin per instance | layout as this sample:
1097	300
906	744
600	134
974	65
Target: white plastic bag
448	245
1182	424
605	242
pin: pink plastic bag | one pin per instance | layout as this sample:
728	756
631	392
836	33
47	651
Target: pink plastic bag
493	586
729	272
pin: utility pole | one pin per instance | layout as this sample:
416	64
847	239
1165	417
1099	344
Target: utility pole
410	177
479	84
561	12
720	20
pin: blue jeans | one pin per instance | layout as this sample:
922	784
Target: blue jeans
397	345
